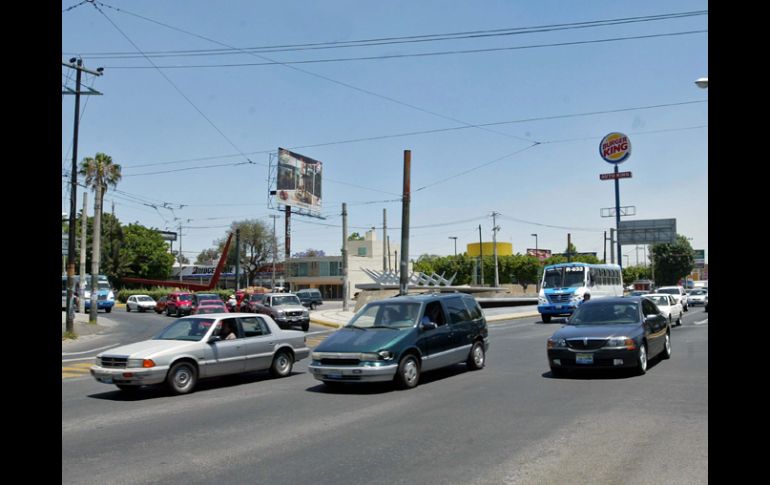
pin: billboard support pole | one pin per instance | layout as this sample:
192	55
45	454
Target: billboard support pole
287	234
404	276
617	215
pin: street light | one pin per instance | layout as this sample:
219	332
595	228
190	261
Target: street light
455	238
702	82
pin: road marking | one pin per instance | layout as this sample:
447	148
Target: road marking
702	322
76	370
92	350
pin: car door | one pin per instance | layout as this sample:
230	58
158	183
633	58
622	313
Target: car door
656	327
258	343
436	341
228	355
461	329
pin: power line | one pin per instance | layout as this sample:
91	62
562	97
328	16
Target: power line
477	34
422	54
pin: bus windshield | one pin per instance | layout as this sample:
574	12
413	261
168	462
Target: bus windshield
564	277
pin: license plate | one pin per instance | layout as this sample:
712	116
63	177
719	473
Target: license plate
106	380
584	358
334	376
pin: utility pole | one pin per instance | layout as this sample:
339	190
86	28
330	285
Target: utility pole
481	257
384	239
389	266
275	248
96	254
569	251
345	281
82	279
455	238
404	275
612	245
495	228
180	252
604	259
70	320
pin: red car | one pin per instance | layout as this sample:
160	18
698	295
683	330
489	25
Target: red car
210	306
179	303
160	305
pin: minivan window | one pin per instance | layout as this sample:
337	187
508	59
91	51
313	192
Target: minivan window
457	311
473	307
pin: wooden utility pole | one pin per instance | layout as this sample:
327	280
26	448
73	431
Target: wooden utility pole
404	269
345	281
83	234
384	239
495	228
96	253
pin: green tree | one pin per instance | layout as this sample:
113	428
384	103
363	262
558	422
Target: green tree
207	256
144	253
633	273
256	246
672	261
355	237
100	173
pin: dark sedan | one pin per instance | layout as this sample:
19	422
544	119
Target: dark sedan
609	333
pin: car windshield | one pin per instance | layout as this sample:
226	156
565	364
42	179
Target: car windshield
669	291
192	329
285	300
387	315
185	297
698	292
566	277
144	298
660	300
605	313
207	297
256	297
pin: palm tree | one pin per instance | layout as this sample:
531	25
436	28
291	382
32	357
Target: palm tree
99	173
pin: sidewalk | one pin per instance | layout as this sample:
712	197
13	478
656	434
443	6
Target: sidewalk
82	328
338	318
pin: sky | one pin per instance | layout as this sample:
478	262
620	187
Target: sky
502	104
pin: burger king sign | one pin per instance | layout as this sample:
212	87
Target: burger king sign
615	148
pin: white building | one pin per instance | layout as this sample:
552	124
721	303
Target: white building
325	272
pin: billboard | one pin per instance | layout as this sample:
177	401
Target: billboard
648	231
299	181
700	258
541	254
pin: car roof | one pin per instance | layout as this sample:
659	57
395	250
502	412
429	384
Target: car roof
279	294
426	297
616	299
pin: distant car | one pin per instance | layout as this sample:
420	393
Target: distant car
610	333
310	297
105	297
678	292
669	306
140	303
210	306
284	308
251	302
639	293
398	338
193	347
697	297
179	303
200	298
160	305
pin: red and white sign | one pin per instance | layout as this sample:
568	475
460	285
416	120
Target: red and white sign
615	148
613	175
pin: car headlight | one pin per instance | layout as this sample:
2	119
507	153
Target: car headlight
385	354
305	313
141	363
315	356
541	299
558	343
369	356
621	342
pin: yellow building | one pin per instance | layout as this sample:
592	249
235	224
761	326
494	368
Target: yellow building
488	249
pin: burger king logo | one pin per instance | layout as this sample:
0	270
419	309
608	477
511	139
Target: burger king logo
615	148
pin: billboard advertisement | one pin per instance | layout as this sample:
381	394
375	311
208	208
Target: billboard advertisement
541	254
298	181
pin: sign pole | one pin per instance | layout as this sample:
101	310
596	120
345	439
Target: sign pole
617	216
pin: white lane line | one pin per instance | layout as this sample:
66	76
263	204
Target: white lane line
702	322
75	360
92	350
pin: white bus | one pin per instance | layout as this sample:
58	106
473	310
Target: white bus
565	285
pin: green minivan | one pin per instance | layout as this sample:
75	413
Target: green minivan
401	337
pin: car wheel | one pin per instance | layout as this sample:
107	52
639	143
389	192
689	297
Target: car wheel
546	318
182	378
666	348
679	320
282	364
128	308
641	360
178	312
108	309
168	312
558	372
408	374
477	357
306	326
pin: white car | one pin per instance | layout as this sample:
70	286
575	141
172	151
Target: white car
678	292
139	303
668	305
202	346
697	296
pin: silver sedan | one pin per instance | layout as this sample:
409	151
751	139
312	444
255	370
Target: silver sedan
201	346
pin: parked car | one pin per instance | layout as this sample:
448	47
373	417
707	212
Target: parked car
678	292
668	306
610	333
140	303
697	296
399	338
310	297
284	308
193	348
179	303
105	297
210	306
199	298
160	305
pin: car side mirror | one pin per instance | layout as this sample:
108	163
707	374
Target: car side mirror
214	338
428	325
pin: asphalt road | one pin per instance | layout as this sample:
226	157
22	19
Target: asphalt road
510	422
